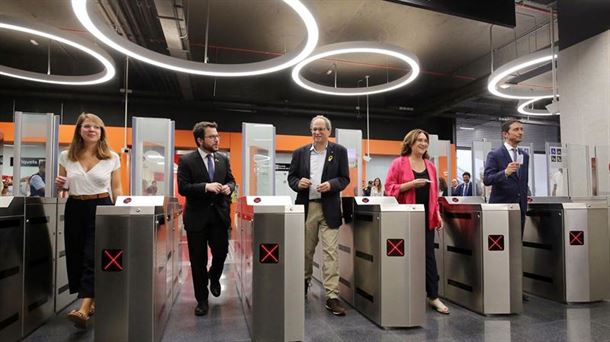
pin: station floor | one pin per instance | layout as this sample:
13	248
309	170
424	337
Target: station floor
542	320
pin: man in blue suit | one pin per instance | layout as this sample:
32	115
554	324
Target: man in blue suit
464	189
506	169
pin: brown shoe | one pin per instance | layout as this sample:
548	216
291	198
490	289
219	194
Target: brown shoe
334	305
78	318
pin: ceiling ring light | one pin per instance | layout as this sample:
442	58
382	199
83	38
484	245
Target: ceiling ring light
535	59
109	37
49	32
523	104
358	47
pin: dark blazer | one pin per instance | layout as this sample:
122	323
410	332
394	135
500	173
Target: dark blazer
336	172
459	190
511	189
192	179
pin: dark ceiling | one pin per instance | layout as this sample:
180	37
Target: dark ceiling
454	53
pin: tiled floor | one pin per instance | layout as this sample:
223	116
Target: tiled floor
542	320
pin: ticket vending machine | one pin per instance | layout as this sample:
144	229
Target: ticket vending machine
271	260
389	261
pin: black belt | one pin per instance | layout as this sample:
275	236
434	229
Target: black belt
318	200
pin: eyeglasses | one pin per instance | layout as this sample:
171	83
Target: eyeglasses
213	137
88	126
318	129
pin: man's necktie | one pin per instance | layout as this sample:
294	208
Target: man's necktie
466	189
211	167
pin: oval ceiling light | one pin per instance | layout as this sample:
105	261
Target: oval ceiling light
52	33
358	47
496	79
109	37
523	104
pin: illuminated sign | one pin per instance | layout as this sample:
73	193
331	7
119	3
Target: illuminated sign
269	253
577	237
112	260
495	242
395	247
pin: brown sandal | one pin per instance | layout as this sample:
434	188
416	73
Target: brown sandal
78	318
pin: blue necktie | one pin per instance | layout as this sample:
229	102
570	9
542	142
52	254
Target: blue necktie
211	167
466	189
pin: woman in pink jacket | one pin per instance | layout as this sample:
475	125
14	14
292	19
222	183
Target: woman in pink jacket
412	179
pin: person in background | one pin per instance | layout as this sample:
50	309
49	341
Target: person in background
205	179
318	173
454	185
367	190
36	181
442	186
464	189
412	179
89	171
377	189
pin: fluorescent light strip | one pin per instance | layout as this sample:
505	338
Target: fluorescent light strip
51	33
112	39
524	62
358	47
522	107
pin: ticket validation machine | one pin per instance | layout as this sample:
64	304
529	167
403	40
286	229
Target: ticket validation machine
565	249
482	255
389	261
133	268
271	265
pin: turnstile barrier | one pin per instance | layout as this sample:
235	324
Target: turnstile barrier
63	298
133	268
271	262
482	255
389	261
565	249
12	267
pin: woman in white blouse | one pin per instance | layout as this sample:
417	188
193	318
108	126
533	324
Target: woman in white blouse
377	189
89	171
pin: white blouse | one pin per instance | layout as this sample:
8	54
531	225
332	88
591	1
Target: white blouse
374	191
95	181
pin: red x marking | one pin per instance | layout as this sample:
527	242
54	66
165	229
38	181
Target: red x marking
576	237
495	243
113	260
269	253
394	247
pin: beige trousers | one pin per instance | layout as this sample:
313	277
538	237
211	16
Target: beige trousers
316	230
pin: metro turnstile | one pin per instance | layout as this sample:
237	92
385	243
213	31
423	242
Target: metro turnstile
11	267
134	280
482	255
39	265
63	297
565	249
389	263
271	262
345	252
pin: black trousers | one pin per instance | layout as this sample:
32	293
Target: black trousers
79	237
214	234
431	271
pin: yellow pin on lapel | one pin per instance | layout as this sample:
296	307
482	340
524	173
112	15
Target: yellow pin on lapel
330	158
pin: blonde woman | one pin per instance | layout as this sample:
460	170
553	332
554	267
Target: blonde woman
88	171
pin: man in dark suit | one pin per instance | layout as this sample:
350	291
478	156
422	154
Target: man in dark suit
506	169
318	173
205	179
464	189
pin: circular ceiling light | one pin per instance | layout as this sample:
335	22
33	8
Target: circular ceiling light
52	33
109	37
358	47
523	107
495	83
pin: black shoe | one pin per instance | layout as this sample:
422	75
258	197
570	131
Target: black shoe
307	285
201	309
215	288
526	298
334	305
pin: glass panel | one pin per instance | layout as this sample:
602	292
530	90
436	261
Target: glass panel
480	149
602	170
33	149
557	171
351	139
259	162
152	173
576	159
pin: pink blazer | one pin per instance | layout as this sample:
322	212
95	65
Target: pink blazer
400	171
